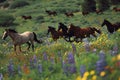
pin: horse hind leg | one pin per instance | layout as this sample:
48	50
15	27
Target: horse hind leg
28	45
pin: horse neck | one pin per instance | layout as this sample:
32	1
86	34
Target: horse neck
13	35
109	25
53	32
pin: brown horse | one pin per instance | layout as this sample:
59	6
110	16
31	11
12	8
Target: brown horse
55	34
82	32
116	9
111	27
26	17
19	39
54	13
98	11
69	14
84	13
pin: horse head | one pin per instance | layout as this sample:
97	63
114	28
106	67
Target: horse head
104	22
5	34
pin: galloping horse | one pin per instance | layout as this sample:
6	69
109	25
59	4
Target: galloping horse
19	39
51	12
116	9
69	14
82	32
111	27
55	34
26	17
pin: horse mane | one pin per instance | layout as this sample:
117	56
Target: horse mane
12	30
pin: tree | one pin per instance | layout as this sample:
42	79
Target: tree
114	2
103	4
89	6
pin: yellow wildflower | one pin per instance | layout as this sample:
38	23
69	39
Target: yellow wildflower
78	78
94	77
92	72
84	78
86	74
118	57
114	59
102	73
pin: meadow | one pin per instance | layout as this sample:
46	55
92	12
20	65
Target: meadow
93	59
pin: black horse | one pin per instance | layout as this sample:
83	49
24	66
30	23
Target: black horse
64	30
111	27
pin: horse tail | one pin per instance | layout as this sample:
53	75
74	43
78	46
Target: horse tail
97	30
35	38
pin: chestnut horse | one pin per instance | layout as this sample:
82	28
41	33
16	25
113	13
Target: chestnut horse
55	34
19	39
26	17
111	27
69	14
82	32
54	13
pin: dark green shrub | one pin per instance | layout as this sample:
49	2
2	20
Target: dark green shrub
6	20
19	4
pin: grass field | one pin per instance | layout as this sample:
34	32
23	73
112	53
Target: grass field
97	59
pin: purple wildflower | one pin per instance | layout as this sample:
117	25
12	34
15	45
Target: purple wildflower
1	76
45	57
11	69
74	48
72	68
82	70
65	68
70	58
87	45
40	68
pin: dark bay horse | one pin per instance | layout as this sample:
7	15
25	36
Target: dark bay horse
69	14
84	13
55	34
26	17
54	13
19	39
82	32
111	27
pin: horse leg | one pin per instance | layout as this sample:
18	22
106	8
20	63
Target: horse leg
28	45
32	45
15	49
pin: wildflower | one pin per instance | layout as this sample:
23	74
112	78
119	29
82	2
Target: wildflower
1	76
45	56
11	69
102	74
82	70
40	68
78	78
94	77
65	68
86	74
118	57
74	48
92	72
70	58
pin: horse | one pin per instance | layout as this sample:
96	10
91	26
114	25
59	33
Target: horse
69	14
98	11
82	32
54	13
55	34
111	27
19	39
116	9
62	27
84	13
26	17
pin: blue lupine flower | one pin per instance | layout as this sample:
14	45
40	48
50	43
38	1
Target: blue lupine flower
87	45
11	69
1	76
82	70
40	68
45	57
70	58
74	48
65	68
72	68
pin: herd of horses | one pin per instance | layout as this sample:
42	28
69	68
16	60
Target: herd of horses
75	32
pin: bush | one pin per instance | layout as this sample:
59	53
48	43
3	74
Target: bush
6	20
19	4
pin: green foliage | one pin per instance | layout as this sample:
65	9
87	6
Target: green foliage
5	4
6	19
19	3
